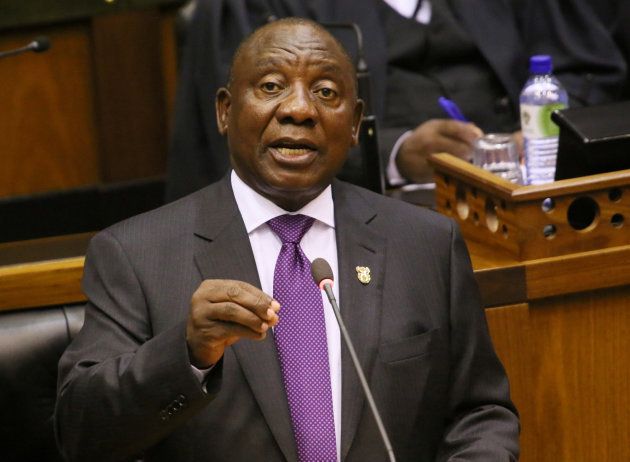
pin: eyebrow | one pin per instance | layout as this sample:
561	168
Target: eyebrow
273	62
267	62
332	68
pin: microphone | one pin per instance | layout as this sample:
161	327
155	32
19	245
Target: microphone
323	276
38	45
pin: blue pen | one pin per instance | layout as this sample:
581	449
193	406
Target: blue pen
451	109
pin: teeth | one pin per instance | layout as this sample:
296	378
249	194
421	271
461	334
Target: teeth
293	151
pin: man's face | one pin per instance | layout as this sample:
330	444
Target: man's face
290	114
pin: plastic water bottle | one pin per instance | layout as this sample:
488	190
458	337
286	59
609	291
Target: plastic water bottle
542	94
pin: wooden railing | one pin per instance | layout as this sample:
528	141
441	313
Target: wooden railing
42	272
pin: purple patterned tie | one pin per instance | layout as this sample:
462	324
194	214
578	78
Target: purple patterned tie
301	343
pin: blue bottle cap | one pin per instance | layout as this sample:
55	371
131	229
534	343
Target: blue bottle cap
540	64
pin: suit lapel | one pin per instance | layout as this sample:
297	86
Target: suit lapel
360	304
223	251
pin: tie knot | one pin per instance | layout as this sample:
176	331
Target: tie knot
290	228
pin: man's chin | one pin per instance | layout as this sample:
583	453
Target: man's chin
292	195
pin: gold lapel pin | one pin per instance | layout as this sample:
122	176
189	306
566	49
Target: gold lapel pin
363	274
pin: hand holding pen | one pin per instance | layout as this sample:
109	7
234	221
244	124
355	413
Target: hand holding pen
455	135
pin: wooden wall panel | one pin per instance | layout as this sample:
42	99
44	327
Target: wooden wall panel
93	109
170	61
567	359
130	93
47	126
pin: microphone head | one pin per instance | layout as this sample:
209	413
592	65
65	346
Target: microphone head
322	272
41	43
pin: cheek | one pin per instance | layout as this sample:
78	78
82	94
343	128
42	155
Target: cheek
340	126
245	124
252	115
246	131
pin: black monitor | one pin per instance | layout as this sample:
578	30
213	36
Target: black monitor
594	139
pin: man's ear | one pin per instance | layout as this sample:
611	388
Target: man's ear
356	122
222	104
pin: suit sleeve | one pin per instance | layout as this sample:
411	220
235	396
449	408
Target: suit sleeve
484	424
120	388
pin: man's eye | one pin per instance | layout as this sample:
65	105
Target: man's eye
326	93
270	87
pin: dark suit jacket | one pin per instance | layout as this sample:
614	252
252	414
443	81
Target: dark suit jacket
126	385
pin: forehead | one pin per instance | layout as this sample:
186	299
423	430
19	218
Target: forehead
294	45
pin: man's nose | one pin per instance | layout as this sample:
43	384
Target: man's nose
298	107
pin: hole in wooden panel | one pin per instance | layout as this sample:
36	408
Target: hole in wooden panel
617	220
462	206
492	222
583	213
549	231
548	205
615	194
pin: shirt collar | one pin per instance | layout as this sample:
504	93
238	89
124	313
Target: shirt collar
257	210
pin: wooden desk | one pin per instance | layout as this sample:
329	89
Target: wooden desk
564	339
554	266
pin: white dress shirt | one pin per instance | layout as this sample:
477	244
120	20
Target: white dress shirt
319	241
406	8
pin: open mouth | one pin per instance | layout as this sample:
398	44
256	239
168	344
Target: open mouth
290	146
293	151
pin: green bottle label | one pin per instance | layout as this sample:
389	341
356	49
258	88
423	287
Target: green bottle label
536	120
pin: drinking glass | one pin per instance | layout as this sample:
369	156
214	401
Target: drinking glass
496	152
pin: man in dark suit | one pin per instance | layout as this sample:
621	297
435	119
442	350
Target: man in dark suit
181	355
